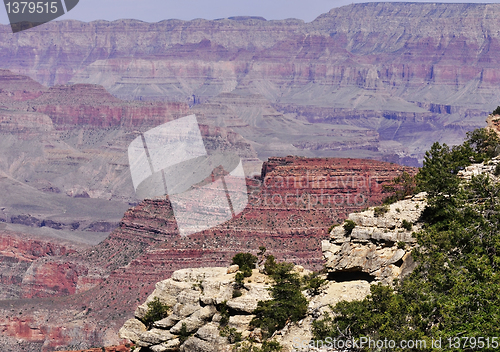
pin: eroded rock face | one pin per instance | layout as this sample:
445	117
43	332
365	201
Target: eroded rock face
488	167
23	274
412	66
209	332
194	296
379	245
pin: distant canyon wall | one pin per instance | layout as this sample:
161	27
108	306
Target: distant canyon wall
412	73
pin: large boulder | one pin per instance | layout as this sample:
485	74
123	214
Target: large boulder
379	244
153	337
131	329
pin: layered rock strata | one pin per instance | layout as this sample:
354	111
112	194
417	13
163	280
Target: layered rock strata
380	244
146	248
194	296
204	301
383	78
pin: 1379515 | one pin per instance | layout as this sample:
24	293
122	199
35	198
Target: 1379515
31	7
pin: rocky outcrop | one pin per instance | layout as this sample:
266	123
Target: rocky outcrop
111	278
203	301
17	88
377	249
198	299
489	167
377	244
19	255
493	123
289	206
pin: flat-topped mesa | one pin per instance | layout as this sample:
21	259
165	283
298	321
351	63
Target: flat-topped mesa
289	211
391	78
375	244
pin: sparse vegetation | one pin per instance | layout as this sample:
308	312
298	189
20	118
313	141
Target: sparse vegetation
380	211
406	225
156	311
496	171
349	225
224	313
269	265
238	278
246	262
400	188
233	336
332	227
287	303
454	289
313	283
183	333
267	346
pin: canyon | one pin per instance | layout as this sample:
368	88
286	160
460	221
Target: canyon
102	284
352	95
66	281
374	80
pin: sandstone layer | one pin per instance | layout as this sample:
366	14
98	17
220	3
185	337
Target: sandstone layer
196	298
111	278
380	244
385	79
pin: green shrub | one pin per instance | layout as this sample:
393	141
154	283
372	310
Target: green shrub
496	111
247	272
453	291
485	143
496	171
271	346
269	265
156	311
401	245
239	278
237	293
224	313
313	283
406	225
332	227
349	225
380	211
232	335
183	333
287	303
246	262
400	187
267	346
